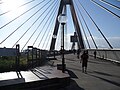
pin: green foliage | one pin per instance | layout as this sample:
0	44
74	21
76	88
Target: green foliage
9	63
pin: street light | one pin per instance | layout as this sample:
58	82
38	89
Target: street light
62	19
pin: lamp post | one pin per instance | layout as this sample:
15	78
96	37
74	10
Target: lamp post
62	19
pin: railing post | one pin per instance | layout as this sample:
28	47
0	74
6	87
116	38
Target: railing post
17	57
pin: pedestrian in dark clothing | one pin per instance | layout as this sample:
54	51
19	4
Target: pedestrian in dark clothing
74	51
84	59
78	53
95	54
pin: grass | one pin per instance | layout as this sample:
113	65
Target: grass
9	64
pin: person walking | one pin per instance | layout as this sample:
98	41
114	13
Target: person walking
74	51
78	53
84	60
95	53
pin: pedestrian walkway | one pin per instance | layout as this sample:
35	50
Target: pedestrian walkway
101	74
44	77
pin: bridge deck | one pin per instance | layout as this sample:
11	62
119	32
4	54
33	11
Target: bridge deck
101	74
44	77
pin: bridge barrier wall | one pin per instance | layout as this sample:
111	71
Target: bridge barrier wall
107	54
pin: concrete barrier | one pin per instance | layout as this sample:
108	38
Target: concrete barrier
108	54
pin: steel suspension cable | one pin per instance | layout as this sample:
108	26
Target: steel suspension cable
84	33
21	25
110	4
21	14
44	32
32	24
96	25
83	27
48	39
105	9
51	31
88	29
35	30
40	31
58	41
17	7
50	22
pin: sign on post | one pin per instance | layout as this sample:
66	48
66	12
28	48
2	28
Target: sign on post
73	38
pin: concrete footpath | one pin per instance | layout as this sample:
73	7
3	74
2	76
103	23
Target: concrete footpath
101	74
40	78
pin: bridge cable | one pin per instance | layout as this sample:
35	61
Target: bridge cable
50	36
112	5
50	33
58	39
35	30
17	7
43	34
21	14
96	25
105	9
83	28
20	26
50	22
34	22
39	32
87	28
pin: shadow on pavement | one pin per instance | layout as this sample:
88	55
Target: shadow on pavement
75	69
73	86
104	79
19	74
102	73
72	75
106	74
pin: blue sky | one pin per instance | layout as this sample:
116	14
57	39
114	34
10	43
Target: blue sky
108	23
